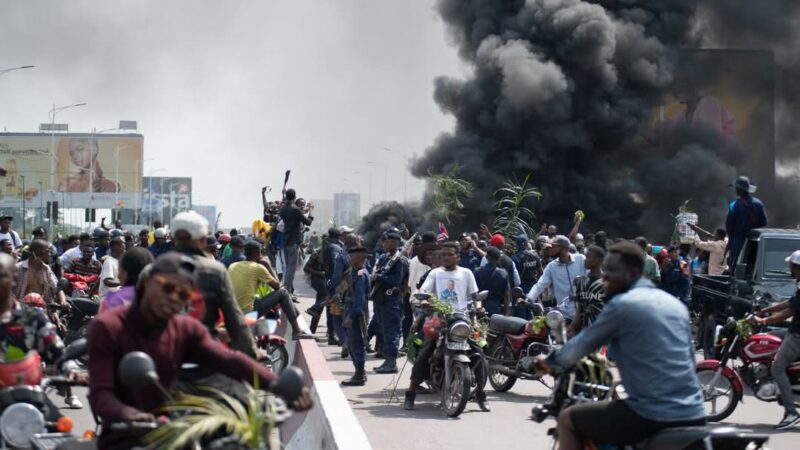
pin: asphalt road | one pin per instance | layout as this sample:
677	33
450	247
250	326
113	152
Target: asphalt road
378	406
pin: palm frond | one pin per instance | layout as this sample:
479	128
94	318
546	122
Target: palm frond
512	217
448	191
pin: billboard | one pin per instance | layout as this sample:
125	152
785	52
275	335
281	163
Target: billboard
346	208
88	170
210	214
163	197
728	94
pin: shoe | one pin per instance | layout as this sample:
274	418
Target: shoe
302	335
483	403
379	355
789	420
314	313
73	402
408	405
332	341
369	349
388	366
358	379
345	353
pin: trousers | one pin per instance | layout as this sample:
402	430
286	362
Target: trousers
408	318
787	354
290	255
279	297
318	284
355	340
337	323
391	316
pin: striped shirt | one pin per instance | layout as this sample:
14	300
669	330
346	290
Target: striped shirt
78	267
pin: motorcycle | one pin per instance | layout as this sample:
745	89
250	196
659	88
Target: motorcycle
512	342
76	314
274	346
137	370
28	418
591	381
457	366
756	351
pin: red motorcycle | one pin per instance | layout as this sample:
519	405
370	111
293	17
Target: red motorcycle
512	343
723	384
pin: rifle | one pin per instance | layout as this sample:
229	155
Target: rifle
385	269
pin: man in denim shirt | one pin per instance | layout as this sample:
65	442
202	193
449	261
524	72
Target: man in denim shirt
649	338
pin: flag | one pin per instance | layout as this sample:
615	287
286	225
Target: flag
442	236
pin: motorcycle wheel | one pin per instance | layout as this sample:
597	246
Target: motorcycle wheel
455	399
278	357
499	381
723	389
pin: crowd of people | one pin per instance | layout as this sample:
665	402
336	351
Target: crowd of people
195	288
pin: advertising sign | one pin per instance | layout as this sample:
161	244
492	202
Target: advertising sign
209	212
88	170
163	197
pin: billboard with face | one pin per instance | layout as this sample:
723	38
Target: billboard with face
78	170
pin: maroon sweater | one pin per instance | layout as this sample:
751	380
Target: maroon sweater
116	332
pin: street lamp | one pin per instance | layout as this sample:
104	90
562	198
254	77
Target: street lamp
139	187
41	201
53	112
4	71
24	219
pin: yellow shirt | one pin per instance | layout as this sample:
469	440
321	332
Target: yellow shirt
246	277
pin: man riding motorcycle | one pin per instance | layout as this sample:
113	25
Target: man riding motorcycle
650	340
790	346
153	323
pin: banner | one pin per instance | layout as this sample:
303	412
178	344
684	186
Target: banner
88	170
163	197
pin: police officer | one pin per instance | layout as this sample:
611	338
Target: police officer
388	295
529	266
494	279
354	321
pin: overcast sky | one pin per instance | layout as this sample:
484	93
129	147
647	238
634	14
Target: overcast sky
234	93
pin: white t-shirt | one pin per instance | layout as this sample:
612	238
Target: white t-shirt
13	237
454	287
110	270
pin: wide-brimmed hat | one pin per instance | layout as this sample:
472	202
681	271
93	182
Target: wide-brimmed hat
743	183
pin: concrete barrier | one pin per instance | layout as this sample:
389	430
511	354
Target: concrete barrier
330	424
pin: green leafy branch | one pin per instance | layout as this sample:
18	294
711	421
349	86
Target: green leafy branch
448	192
511	216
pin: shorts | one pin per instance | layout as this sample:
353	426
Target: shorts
614	422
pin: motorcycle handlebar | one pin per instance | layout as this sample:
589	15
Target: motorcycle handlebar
134	426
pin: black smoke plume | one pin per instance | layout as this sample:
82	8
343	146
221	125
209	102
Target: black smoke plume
386	215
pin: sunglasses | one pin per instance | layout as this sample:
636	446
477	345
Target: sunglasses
169	288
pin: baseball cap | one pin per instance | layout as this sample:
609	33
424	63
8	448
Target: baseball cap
345	229
743	183
520	239
794	258
211	241
224	238
561	241
191	222
171	262
497	240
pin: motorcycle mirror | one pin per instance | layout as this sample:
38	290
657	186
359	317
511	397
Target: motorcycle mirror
422	296
482	295
289	385
517	292
137	370
76	349
555	321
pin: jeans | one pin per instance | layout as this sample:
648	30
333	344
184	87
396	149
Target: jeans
279	297
290	256
787	354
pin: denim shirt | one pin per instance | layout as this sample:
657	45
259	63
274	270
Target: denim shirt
648	333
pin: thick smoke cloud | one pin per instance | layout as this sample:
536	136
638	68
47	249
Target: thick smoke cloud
566	89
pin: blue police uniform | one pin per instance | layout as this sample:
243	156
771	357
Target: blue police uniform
341	261
529	265
495	280
354	302
390	307
469	259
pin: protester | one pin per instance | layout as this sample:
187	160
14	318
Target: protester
8	248
675	275
744	214
224	239
494	279
236	251
589	296
131	264
716	249
85	239
144	236
34	275
469	255
212	247
7	233
652	269
87	264
102	238
559	276
153	324
109	275
160	244
293	221
213	283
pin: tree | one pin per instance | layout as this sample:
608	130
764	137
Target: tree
448	191
511	216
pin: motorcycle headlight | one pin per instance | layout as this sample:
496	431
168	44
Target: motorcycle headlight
459	331
554	319
19	422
